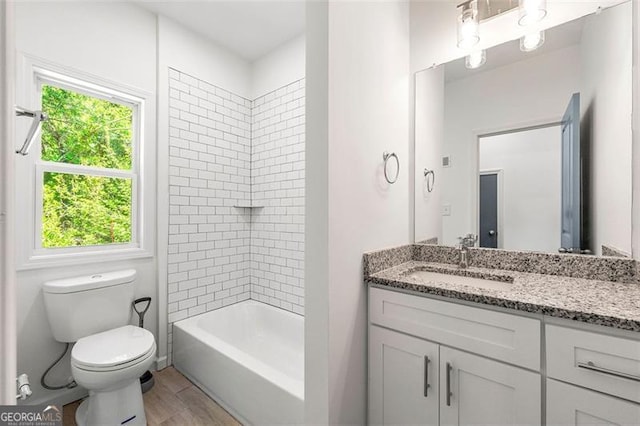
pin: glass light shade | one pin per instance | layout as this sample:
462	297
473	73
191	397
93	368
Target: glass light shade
532	41
476	59
468	27
531	11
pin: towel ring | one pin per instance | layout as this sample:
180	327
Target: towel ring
386	157
430	176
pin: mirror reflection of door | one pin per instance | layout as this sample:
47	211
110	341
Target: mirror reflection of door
527	190
488	233
571	234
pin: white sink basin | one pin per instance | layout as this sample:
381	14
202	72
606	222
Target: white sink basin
426	276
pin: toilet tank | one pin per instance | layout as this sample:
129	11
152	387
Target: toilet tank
81	306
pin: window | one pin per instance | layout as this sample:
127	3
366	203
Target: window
86	167
85	171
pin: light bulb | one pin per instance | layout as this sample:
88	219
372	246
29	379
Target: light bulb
469	31
532	11
476	59
531	42
468	27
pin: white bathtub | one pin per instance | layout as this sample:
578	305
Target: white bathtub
249	357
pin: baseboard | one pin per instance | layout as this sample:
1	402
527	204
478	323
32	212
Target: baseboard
62	398
161	363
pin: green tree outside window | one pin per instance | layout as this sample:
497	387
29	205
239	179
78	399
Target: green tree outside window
85	209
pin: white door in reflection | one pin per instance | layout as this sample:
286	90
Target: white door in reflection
528	165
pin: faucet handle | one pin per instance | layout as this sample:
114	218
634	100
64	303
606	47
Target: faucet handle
468	240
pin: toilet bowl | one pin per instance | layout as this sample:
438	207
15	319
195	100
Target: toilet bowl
109	356
109	365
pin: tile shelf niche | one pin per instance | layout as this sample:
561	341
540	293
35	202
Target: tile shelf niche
247	205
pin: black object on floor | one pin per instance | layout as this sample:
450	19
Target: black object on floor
146	380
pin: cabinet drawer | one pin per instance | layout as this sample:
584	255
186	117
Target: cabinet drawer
604	363
504	337
571	405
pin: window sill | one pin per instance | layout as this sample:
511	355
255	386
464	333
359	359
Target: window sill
83	258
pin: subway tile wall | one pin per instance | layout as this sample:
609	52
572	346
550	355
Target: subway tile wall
277	184
227	151
209	168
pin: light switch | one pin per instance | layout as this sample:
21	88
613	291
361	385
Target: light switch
446	210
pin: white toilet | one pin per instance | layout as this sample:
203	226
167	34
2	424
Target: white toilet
109	356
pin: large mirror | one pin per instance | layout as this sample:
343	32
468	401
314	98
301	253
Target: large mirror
532	150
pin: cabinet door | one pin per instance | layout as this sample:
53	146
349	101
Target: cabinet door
486	392
571	405
403	379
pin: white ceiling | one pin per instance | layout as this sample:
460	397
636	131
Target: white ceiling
559	37
250	28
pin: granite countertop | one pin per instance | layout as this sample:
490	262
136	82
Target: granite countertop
607	303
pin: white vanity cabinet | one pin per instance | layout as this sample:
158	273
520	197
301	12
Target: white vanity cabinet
421	379
409	380
434	362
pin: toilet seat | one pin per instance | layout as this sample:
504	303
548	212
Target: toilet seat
113	350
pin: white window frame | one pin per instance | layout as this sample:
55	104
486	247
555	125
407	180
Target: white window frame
31	169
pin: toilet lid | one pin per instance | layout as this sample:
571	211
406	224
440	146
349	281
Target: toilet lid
113	347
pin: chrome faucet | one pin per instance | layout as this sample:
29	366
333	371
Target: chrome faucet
463	256
463	249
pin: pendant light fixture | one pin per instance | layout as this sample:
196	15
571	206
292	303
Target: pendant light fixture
531	11
468	25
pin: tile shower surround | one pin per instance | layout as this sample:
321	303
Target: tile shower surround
277	185
227	151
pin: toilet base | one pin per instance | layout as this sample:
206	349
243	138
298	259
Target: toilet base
121	406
